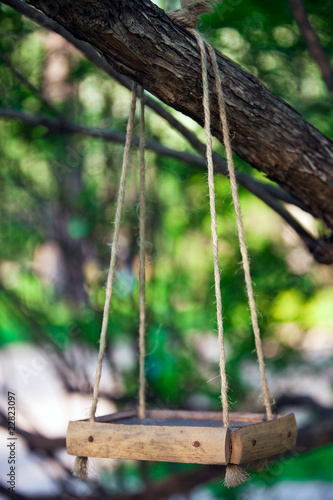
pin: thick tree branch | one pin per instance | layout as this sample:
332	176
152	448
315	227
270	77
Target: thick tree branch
321	249
140	40
312	41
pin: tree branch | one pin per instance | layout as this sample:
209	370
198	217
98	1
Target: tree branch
36	441
141	41
321	248
304	401
61	126
30	86
312	41
267	193
93	56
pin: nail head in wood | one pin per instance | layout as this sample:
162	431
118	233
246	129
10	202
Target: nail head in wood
90	439
196	444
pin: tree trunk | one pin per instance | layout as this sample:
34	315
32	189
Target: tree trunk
139	40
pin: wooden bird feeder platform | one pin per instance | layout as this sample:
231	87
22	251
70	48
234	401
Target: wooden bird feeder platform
182	436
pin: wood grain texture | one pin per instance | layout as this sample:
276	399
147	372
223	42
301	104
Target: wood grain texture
257	441
155	443
138	39
182	436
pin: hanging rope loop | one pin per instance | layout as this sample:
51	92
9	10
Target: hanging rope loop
81	463
197	7
210	169
240	230
112	268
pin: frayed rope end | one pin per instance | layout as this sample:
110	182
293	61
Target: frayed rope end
81	467
234	476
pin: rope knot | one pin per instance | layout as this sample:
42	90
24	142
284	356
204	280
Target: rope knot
191	10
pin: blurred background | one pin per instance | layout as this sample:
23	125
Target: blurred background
58	192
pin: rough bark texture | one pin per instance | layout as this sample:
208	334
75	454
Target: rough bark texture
140	40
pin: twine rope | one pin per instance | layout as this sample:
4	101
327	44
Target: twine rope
210	168
190	11
240	230
142	262
112	268
234	475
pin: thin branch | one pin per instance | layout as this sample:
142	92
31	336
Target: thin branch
312	41
248	182
267	193
30	86
58	126
304	401
36	441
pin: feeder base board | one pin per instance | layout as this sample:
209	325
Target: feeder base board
182	436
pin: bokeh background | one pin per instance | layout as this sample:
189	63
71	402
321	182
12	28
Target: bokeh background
57	206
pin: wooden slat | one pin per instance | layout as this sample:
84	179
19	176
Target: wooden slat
199	445
263	440
206	415
188	414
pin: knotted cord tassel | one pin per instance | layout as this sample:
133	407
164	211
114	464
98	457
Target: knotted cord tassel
80	468
235	476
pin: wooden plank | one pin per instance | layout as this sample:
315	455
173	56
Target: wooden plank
199	445
263	440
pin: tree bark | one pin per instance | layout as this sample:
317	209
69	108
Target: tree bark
139	40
